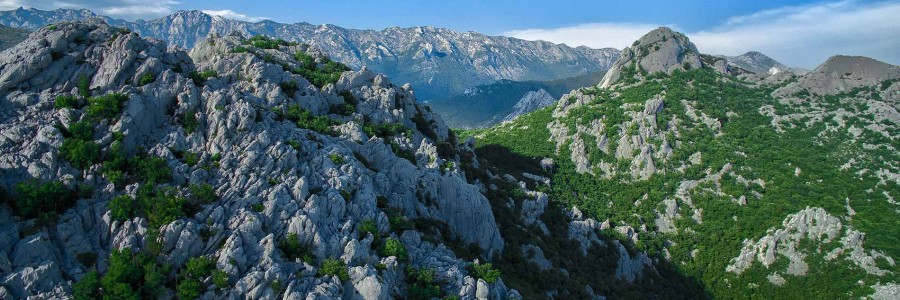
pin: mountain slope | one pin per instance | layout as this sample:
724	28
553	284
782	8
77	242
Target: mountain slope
438	62
773	189
490	104
11	36
755	62
136	170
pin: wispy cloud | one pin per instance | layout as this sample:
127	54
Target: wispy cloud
594	35
126	9
230	14
803	36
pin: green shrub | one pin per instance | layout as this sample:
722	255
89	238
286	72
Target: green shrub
290	88
132	276
79	153
189	121
367	227
151	169
146	79
335	267
306	120
88	288
295	144
264	42
82	131
189	288
292	249
486	272
65	101
220	279
162	206
203	193
191	158
200	78
383	130
336	158
422	283
258	207
196	269
318	74
84	86
106	106
35	199
393	247
116	177
240	49
122	208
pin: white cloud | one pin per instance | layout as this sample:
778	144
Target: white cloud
803	36
807	35
230	14
594	35
126	9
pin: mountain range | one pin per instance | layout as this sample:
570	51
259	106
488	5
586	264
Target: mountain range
439	63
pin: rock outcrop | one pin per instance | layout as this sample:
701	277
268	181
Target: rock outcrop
661	50
532	101
844	73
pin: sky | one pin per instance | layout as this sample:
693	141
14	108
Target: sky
799	33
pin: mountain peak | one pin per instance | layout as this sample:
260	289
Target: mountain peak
660	50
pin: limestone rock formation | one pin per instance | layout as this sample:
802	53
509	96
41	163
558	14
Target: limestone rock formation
532	101
242	123
661	50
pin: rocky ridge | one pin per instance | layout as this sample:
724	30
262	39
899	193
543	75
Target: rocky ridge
439	62
661	50
532	101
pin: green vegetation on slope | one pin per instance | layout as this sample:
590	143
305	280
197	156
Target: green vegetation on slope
749	142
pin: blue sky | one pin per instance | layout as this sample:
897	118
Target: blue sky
796	32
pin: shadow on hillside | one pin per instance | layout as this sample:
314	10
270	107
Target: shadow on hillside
524	242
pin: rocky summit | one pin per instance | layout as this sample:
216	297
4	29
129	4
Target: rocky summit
132	168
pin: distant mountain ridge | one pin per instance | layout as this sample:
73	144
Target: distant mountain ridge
486	105
438	62
755	62
11	36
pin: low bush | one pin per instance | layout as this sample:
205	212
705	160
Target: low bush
146	79
43	200
106	107
65	101
367	227
335	267
393	247
486	271
292	249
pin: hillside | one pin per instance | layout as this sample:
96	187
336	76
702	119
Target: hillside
438	62
11	36
250	167
783	187
486	105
